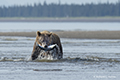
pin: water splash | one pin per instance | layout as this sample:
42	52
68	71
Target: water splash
77	59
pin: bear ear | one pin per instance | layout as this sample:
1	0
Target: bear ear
38	33
50	34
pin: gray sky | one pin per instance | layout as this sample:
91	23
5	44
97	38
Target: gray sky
24	2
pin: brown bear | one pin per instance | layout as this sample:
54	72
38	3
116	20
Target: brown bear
43	41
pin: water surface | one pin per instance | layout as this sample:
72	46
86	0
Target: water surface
83	59
51	26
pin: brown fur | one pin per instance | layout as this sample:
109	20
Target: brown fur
51	37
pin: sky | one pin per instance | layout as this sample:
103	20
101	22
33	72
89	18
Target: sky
25	2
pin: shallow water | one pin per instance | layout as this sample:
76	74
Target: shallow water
83	59
54	26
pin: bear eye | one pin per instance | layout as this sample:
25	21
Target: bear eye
41	40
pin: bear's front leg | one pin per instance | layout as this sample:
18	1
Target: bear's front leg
35	53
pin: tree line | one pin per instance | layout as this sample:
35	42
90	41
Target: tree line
61	10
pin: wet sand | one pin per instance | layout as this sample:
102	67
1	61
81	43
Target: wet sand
72	34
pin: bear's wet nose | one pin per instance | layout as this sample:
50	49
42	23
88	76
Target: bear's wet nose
45	46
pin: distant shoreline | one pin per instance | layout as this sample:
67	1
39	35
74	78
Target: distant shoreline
81	19
71	34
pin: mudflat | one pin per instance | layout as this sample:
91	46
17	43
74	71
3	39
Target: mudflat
72	34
